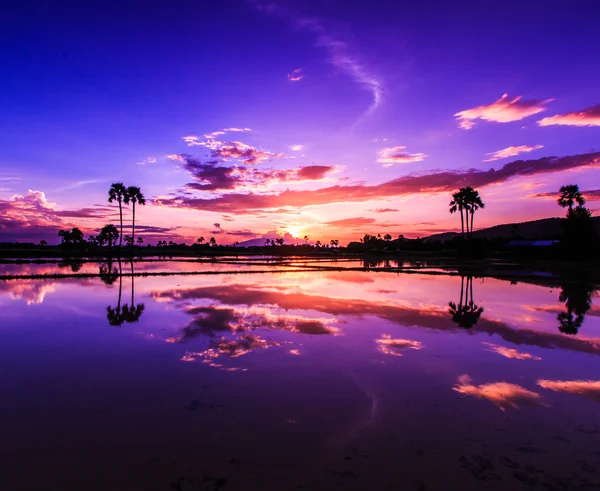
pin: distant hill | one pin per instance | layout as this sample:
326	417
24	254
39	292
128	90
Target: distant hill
546	228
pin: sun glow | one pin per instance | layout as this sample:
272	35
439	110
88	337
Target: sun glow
295	230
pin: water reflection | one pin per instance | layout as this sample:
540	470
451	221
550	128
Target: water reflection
502	394
74	263
576	293
510	352
389	346
119	314
585	388
466	314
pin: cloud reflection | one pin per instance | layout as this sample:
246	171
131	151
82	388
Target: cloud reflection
510	352
585	388
389	346
502	394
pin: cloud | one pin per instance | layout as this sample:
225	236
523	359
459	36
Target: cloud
396	155
174	156
212	175
511	152
394	347
504	110
384	210
78	184
147	160
245	153
442	181
340	55
510	352
587	117
296	148
502	394
296	75
585	388
214	134
350	222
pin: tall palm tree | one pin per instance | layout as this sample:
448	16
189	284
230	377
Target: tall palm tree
474	203
569	195
459	203
134	195
118	192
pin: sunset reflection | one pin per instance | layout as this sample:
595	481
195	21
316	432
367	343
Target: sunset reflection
502	394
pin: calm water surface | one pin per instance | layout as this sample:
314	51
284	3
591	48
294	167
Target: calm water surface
310	380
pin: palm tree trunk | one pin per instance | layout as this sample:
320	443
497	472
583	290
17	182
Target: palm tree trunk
133	228
472	218
462	287
121	221
120	287
132	285
467	222
462	224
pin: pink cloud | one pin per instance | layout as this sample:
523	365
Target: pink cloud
504	110
511	152
296	75
585	388
350	222
246	153
587	117
396	155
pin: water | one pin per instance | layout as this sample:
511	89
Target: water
299	380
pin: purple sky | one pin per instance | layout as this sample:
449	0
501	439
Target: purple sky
326	119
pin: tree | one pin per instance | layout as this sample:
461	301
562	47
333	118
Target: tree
108	235
280	241
318	243
474	203
334	242
65	237
387	237
43	243
267	242
569	195
305	239
213	242
118	192
134	195
200	241
140	241
459	203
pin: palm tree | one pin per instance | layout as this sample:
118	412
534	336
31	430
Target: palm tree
65	236
213	242
569	195
280	241
466	314
474	203
115	315
267	242
318	243
140	241
305	239
387	237
334	242
118	192
134	195
459	203
200	240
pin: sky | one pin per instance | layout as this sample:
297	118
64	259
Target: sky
328	119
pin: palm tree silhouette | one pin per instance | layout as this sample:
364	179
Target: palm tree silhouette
466	314
134	195
132	313
569	195
576	293
474	203
200	241
459	203
108	235
118	192
115	315
108	274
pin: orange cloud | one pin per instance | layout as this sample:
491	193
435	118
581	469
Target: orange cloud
350	222
585	388
502	394
511	152
504	110
443	181
510	352
396	155
587	117
394	347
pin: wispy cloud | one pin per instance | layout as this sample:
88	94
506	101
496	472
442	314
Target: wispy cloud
78	184
504	110
340	54
295	75
397	155
511	152
510	352
296	148
587	117
147	160
350	222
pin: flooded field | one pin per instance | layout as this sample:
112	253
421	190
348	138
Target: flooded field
308	379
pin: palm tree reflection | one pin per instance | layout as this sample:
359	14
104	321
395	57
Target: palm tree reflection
130	313
466	314
576	294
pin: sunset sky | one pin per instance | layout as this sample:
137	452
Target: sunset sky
247	119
